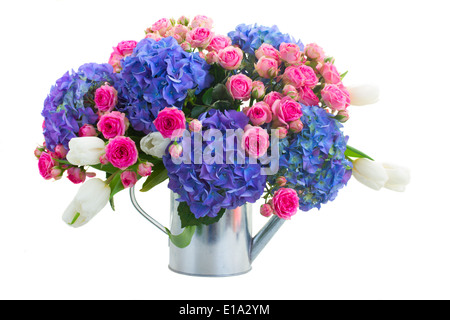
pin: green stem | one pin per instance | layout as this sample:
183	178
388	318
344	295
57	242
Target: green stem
111	177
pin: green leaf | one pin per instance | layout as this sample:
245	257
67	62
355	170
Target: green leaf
111	202
355	153
115	185
108	168
220	92
344	74
221	105
159	174
197	110
188	218
183	239
207	97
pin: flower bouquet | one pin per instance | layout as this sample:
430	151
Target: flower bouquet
227	119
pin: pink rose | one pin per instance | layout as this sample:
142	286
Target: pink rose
307	97
195	125
211	57
330	73
296	126
125	48
161	26
240	87
268	51
300	76
255	141
314	52
199	37
218	43
112	124
267	67
186	46
266	210
76	175
153	36
105	98
271	97
290	53
45	165
258	90
56	173
128	178
343	116
175	151
170	122
230	58
259	113
114	60
145	169
281	132
121	152
87	130
286	110
183	20
281	181
202	21
289	90
285	203
335	98
60	152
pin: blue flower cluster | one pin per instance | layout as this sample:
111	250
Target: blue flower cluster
250	37
313	161
207	188
66	109
159	74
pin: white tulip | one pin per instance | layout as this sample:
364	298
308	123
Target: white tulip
90	199
399	177
370	173
154	144
363	94
85	151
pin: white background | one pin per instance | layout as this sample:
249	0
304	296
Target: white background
364	245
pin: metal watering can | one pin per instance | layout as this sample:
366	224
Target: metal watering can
224	248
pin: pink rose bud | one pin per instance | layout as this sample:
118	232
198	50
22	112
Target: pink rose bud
195	125
271	97
129	178
240	87
281	132
266	210
281	181
161	26
60	152
105	98
145	169
335	98
112	124
286	110
76	175
296	126
285	203
268	51
104	159
343	116
87	130
175	151
212	57
230	58
255	141
219	42
258	90
330	73
38	151
267	67
199	37
90	174
259	113
154	36
45	165
290	91
290	53
170	122
56	173
183	20
186	46
314	52
307	97
202	22
125	48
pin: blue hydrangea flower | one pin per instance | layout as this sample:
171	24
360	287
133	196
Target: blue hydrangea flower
313	161
66	108
250	37
157	75
207	188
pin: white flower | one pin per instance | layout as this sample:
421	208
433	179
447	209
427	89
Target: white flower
370	173
399	177
85	151
90	199
363	94
154	144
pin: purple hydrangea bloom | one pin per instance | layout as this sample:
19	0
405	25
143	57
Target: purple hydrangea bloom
313	161
66	109
207	188
157	75
250	37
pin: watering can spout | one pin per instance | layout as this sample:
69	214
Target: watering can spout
263	237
